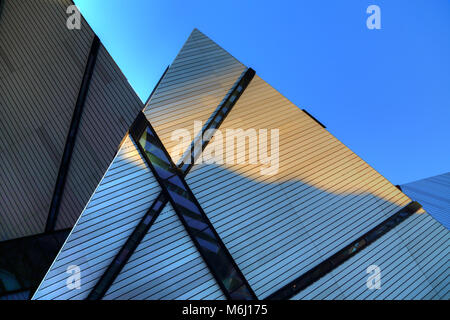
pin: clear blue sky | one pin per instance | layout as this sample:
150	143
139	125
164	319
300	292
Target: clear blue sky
384	93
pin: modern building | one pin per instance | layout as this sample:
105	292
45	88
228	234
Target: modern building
286	212
434	194
65	107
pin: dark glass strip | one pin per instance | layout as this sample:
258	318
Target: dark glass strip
312	117
2	3
222	112
137	130
71	137
208	243
24	261
314	274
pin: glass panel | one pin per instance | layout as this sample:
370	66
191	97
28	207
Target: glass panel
241	293
24	261
193	222
149	143
184	202
176	184
214	252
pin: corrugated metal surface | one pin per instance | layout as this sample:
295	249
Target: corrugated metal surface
166	265
41	68
40	79
110	108
322	197
124	194
413	262
194	85
434	194
276	227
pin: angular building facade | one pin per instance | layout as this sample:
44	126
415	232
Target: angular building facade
434	194
286	212
65	107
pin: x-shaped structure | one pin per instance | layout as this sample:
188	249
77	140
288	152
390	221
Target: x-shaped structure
122	261
177	192
207	241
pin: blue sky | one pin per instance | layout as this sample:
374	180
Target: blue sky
384	93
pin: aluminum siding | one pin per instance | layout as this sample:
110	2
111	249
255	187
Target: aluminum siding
166	265
323	196
195	83
121	199
434	194
41	68
413	259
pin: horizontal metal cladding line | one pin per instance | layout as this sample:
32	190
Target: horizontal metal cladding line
136	130
314	274
312	117
71	137
220	262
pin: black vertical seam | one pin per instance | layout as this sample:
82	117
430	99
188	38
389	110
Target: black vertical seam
71	137
2	3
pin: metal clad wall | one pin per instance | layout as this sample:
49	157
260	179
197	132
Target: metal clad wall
413	261
434	194
121	199
194	85
166	265
276	227
192	88
41	67
323	196
110	108
427	242
40	79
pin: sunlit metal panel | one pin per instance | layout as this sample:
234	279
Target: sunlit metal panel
192	88
320	198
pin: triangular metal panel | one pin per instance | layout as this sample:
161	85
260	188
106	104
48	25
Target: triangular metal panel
166	265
